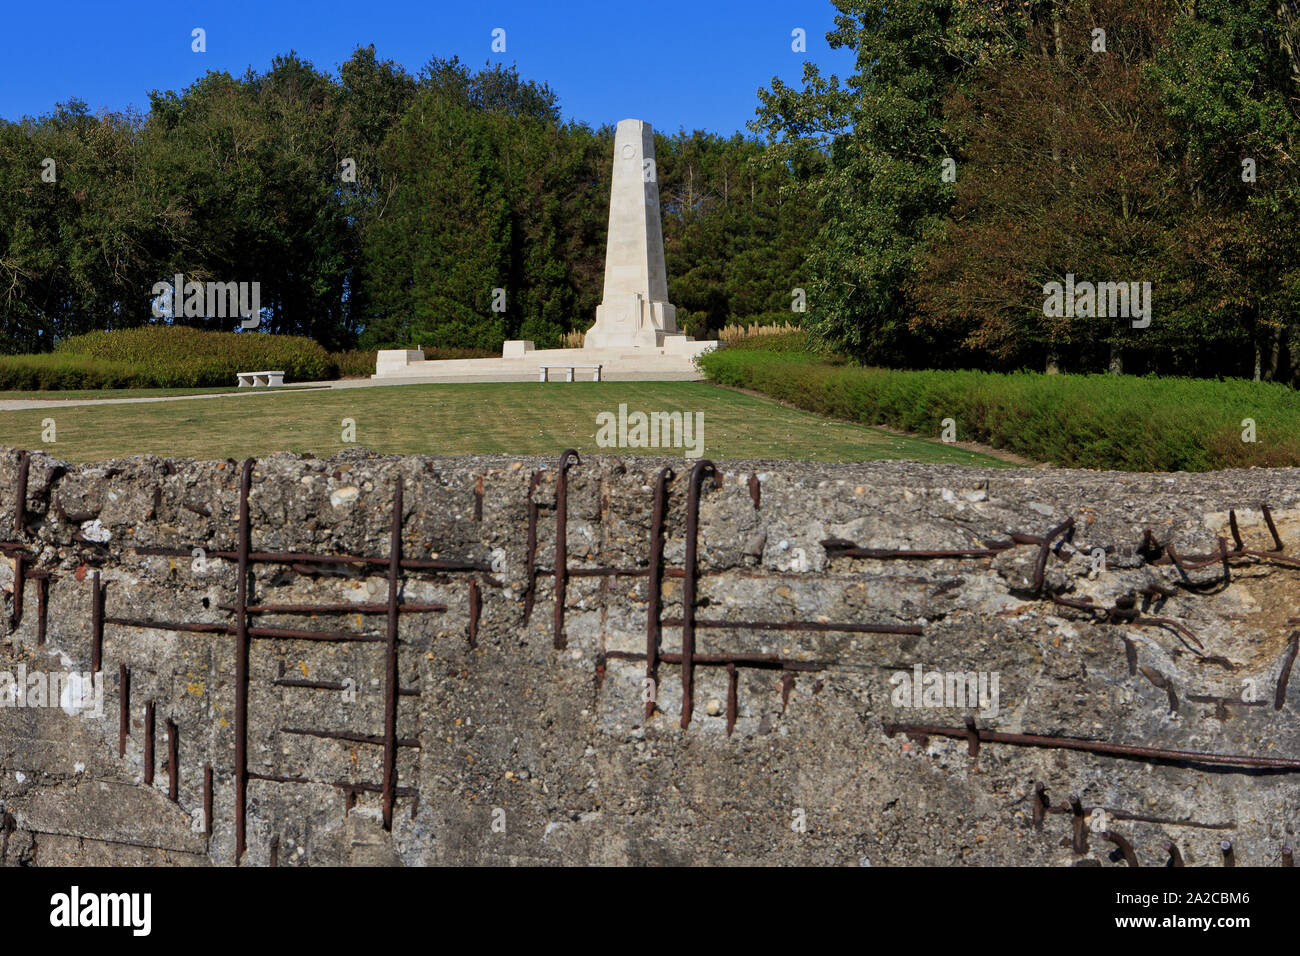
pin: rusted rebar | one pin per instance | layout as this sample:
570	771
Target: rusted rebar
173	761
390	657
20	494
1040	564
732	706
1293	647
561	583
654	580
284	633
341	608
241	661
830	626
1122	846
1040	804
20	578
698	471
1078	825
1272	528
148	741
1100	747
123	707
840	548
530	555
42	607
475	608
352	737
96	623
207	799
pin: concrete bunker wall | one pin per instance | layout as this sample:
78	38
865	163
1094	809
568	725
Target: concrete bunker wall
505	716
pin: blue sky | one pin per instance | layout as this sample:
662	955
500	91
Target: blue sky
673	63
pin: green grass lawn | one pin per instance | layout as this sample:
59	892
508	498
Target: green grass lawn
74	394
517	418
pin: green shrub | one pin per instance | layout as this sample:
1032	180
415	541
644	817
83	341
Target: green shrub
1084	421
54	371
182	357
354	363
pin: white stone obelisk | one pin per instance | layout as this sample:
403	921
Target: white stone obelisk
635	312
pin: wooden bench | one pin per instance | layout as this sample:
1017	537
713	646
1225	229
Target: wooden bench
264	379
568	370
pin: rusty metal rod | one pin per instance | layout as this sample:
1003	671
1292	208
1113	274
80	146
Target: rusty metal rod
475	609
760	661
1079	827
732	705
689	584
1125	848
346	786
20	580
289	633
840	548
531	557
562	545
123	707
96	623
207	799
1040	565
20	494
1293	647
350	736
653	632
296	557
148	741
42	607
1272	528
241	661
173	762
344	608
390	656
799	626
1100	747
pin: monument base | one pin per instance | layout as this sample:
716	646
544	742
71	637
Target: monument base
673	362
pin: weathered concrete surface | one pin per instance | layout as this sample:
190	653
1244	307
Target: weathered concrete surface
520	734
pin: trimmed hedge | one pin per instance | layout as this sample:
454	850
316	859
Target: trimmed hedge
1081	421
181	357
177	356
53	371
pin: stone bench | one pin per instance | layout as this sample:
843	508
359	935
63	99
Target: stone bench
264	379
568	369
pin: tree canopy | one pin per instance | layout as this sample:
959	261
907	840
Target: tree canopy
373	207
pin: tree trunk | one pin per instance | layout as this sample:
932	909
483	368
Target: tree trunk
1116	361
